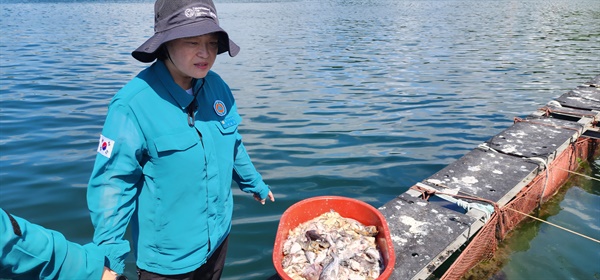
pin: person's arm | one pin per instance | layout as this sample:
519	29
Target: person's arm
247	177
114	183
30	251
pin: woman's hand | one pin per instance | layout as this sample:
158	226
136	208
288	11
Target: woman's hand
108	274
262	201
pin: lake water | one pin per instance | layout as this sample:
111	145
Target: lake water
339	97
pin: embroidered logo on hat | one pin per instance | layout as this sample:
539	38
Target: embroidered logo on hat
220	108
105	146
200	12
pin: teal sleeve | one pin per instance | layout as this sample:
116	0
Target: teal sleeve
34	252
245	174
113	185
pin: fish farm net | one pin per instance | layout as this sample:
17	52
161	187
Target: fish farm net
483	245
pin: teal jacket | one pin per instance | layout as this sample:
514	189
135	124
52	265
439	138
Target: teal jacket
30	251
171	180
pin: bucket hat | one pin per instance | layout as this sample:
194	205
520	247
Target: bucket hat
174	19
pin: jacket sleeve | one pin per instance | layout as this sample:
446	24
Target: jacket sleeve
30	251
245	174
114	184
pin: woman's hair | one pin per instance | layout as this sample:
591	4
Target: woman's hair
162	52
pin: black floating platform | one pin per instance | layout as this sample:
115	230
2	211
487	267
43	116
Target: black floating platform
419	229
595	82
536	137
485	174
566	113
583	97
426	233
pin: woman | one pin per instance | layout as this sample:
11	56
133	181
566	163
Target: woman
169	151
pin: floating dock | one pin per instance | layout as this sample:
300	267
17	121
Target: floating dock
456	217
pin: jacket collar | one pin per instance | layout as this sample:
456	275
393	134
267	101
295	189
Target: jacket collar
180	96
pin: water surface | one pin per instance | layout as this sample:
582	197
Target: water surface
354	98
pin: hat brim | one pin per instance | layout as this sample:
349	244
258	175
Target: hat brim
147	51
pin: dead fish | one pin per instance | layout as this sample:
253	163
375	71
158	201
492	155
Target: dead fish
332	247
316	242
310	256
291	259
331	270
361	229
373	255
313	235
371	231
312	272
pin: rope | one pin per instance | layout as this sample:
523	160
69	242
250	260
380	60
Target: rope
543	162
580	174
427	191
487	210
484	146
554	225
517	119
548	111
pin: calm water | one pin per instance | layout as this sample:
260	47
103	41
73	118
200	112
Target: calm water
339	97
543	251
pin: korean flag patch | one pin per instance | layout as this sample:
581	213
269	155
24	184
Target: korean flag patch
105	146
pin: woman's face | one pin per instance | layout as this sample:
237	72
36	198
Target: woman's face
191	58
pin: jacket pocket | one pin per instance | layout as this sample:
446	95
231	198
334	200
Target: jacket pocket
177	142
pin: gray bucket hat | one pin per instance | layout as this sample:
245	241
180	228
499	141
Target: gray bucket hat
174	19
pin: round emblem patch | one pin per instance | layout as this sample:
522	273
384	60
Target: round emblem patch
220	108
189	13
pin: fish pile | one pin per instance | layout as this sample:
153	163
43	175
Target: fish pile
332	247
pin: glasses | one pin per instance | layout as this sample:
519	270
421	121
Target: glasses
191	109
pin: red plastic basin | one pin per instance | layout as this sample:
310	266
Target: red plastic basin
311	208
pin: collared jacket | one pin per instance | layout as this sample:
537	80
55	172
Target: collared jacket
172	180
30	251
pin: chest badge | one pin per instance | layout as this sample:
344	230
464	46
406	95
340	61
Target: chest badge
220	108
